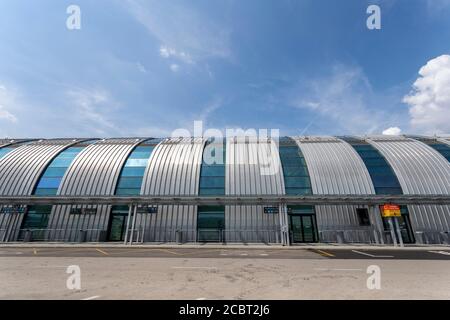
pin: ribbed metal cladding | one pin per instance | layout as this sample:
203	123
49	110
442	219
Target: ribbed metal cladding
253	167
420	170
20	170
94	171
335	168
173	169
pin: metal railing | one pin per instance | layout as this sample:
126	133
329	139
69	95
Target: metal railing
62	235
347	236
180	235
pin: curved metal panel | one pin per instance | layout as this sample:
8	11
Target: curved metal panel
174	169
420	170
20	170
253	167
94	171
336	168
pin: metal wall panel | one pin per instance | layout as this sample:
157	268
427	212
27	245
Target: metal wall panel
253	167
174	169
94	171
20	170
336	168
420	170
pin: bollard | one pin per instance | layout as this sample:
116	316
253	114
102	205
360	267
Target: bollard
82	235
178	236
28	236
340	236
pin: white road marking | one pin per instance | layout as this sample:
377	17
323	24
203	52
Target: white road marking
446	253
194	267
324	269
263	254
91	298
371	255
244	254
200	299
224	254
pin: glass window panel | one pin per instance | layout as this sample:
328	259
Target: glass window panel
49	182
380	170
120	210
295	171
147	149
297	182
140	155
384	181
387	190
300	209
293	162
61	162
55	172
213	182
133	172
136	163
211	171
128	192
375	162
212	191
46	191
202	209
298	191
363	147
369	154
130	182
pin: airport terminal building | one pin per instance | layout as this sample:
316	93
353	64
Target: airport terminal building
129	168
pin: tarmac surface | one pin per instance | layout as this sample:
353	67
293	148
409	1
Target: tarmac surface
202	273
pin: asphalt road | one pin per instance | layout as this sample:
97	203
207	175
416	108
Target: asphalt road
298	253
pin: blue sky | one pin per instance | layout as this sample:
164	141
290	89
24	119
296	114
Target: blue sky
145	68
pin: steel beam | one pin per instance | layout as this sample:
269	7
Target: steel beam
229	200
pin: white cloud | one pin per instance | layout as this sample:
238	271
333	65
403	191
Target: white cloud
429	100
141	67
7	102
181	29
167	52
343	102
92	107
392	131
174	67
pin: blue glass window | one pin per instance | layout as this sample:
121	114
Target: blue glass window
48	185
212	176
132	174
295	172
383	178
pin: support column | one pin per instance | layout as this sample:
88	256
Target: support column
133	224
391	227
399	233
377	223
130	208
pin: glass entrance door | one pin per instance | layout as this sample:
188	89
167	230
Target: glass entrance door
405	228
302	228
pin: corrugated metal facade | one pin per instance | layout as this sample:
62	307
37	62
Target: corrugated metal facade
173	169
252	168
336	168
94	171
20	170
420	170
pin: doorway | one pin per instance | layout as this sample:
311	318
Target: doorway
302	228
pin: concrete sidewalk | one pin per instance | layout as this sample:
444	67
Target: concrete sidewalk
322	246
